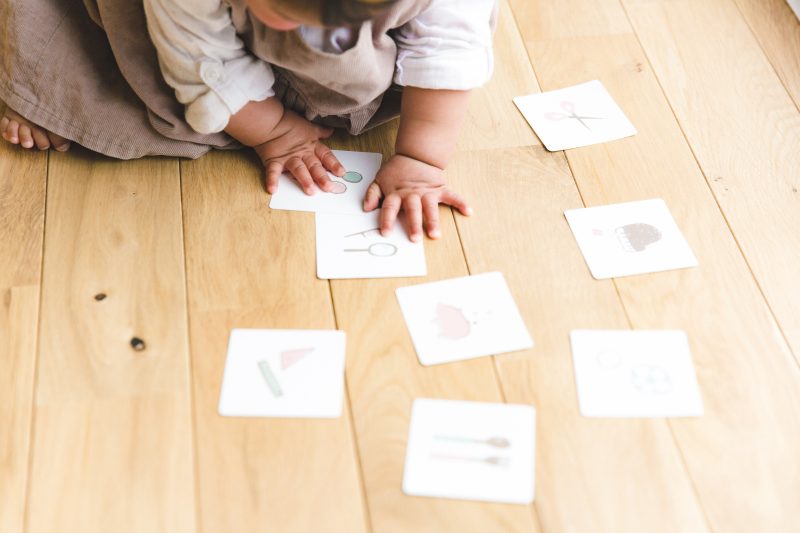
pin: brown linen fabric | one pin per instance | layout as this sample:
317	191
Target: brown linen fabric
91	75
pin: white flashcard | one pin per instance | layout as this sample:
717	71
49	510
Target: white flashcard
576	116
347	195
631	238
352	247
635	374
471	451
283	374
463	318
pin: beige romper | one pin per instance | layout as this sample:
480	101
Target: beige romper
91	75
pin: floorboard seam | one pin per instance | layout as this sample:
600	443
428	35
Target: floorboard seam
776	322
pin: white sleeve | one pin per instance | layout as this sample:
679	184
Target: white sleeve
203	59
447	46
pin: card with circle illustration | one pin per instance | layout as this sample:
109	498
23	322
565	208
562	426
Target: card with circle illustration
463	318
348	193
471	451
635	374
283	374
630	238
352	247
576	116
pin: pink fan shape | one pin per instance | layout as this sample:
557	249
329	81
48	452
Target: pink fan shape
292	357
452	322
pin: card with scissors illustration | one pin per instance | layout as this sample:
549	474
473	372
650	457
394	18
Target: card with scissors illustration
351	247
283	374
349	190
630	238
635	374
471	451
577	116
463	318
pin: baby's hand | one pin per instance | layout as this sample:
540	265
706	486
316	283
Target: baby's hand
295	147
416	187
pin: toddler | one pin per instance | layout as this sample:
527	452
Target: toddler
275	75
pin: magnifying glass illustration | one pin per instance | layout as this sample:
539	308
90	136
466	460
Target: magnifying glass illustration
378	249
363	233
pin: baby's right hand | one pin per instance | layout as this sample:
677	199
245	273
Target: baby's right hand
295	147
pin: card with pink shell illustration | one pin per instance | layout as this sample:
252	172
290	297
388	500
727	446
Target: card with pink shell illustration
463	318
635	374
283	374
630	238
348	191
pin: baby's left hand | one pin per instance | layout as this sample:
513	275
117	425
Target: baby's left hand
415	187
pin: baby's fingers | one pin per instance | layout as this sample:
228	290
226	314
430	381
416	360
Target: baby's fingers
298	169
373	197
413	208
274	171
430	211
318	173
391	206
329	161
456	200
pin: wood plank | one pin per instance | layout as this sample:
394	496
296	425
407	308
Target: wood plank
250	267
778	30
576	456
511	78
590	472
23	176
384	377
744	130
749	382
113	436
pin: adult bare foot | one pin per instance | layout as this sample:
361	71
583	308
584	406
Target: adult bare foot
16	129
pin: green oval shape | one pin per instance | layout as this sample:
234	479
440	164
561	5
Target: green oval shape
352	177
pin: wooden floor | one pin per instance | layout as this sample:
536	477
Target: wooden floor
98	437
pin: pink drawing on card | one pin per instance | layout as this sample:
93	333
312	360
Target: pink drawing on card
570	114
350	177
452	322
290	358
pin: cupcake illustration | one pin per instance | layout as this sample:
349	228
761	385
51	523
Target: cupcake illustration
637	237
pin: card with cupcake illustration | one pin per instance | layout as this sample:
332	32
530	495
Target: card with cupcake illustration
630	238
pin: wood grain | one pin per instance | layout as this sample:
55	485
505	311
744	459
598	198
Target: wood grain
384	377
250	267
512	77
577	457
778	31
744	130
748	379
113	436
22	202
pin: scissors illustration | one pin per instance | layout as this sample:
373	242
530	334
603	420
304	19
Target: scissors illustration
378	249
569	107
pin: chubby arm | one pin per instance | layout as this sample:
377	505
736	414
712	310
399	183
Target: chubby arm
430	121
413	179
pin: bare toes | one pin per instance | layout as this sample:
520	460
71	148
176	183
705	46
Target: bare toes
40	138
25	137
12	132
59	143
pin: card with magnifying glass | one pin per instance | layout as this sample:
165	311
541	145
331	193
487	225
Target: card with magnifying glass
351	247
348	191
